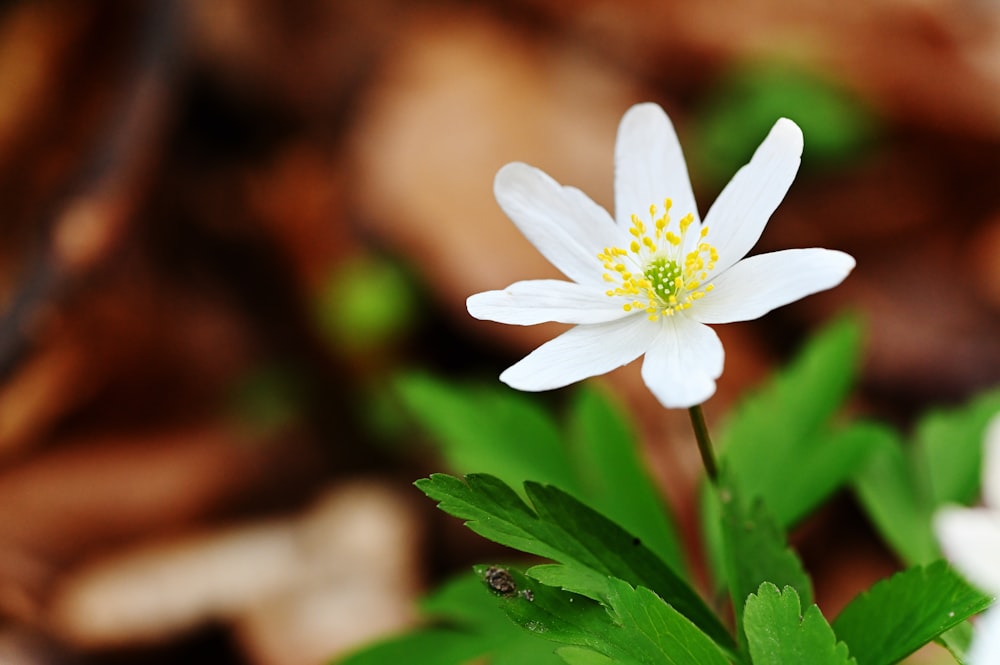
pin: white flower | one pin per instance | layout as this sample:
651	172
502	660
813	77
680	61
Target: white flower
647	281
970	538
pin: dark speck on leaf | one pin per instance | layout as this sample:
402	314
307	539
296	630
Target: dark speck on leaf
500	581
636	542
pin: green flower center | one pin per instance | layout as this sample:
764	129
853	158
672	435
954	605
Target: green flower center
664	276
655	274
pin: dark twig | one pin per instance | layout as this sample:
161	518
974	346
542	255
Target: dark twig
114	163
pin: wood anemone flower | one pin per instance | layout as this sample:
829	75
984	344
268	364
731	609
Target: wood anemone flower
649	280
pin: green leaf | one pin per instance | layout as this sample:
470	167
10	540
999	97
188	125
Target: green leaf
567	531
899	615
500	431
489	429
427	646
788	420
900	486
636	627
743	106
614	478
822	466
581	656
461	602
659	633
888	491
556	615
779	634
779	444
579	579
957	641
464	624
756	551
950	444
367	302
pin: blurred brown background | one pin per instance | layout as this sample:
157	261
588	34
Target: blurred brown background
226	225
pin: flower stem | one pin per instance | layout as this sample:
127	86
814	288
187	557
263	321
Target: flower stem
704	442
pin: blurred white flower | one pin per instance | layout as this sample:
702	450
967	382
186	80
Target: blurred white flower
649	280
970	538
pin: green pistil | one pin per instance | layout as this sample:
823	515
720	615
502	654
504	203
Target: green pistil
663	274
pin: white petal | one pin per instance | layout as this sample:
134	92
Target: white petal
985	648
991	466
541	300
683	363
649	166
739	215
582	352
970	539
758	284
564	225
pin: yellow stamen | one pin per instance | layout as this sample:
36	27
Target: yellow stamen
664	281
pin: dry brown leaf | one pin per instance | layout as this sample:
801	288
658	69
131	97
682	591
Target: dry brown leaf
349	561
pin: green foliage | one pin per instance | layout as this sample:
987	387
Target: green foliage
614	480
463	623
747	102
582	656
888	490
899	615
901	486
558	527
789	420
957	640
756	552
781	446
634	627
490	429
366	303
495	429
950	445
611	593
779	634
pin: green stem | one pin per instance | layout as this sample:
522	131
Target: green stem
704	442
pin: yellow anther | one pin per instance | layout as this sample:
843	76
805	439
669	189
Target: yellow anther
666	281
